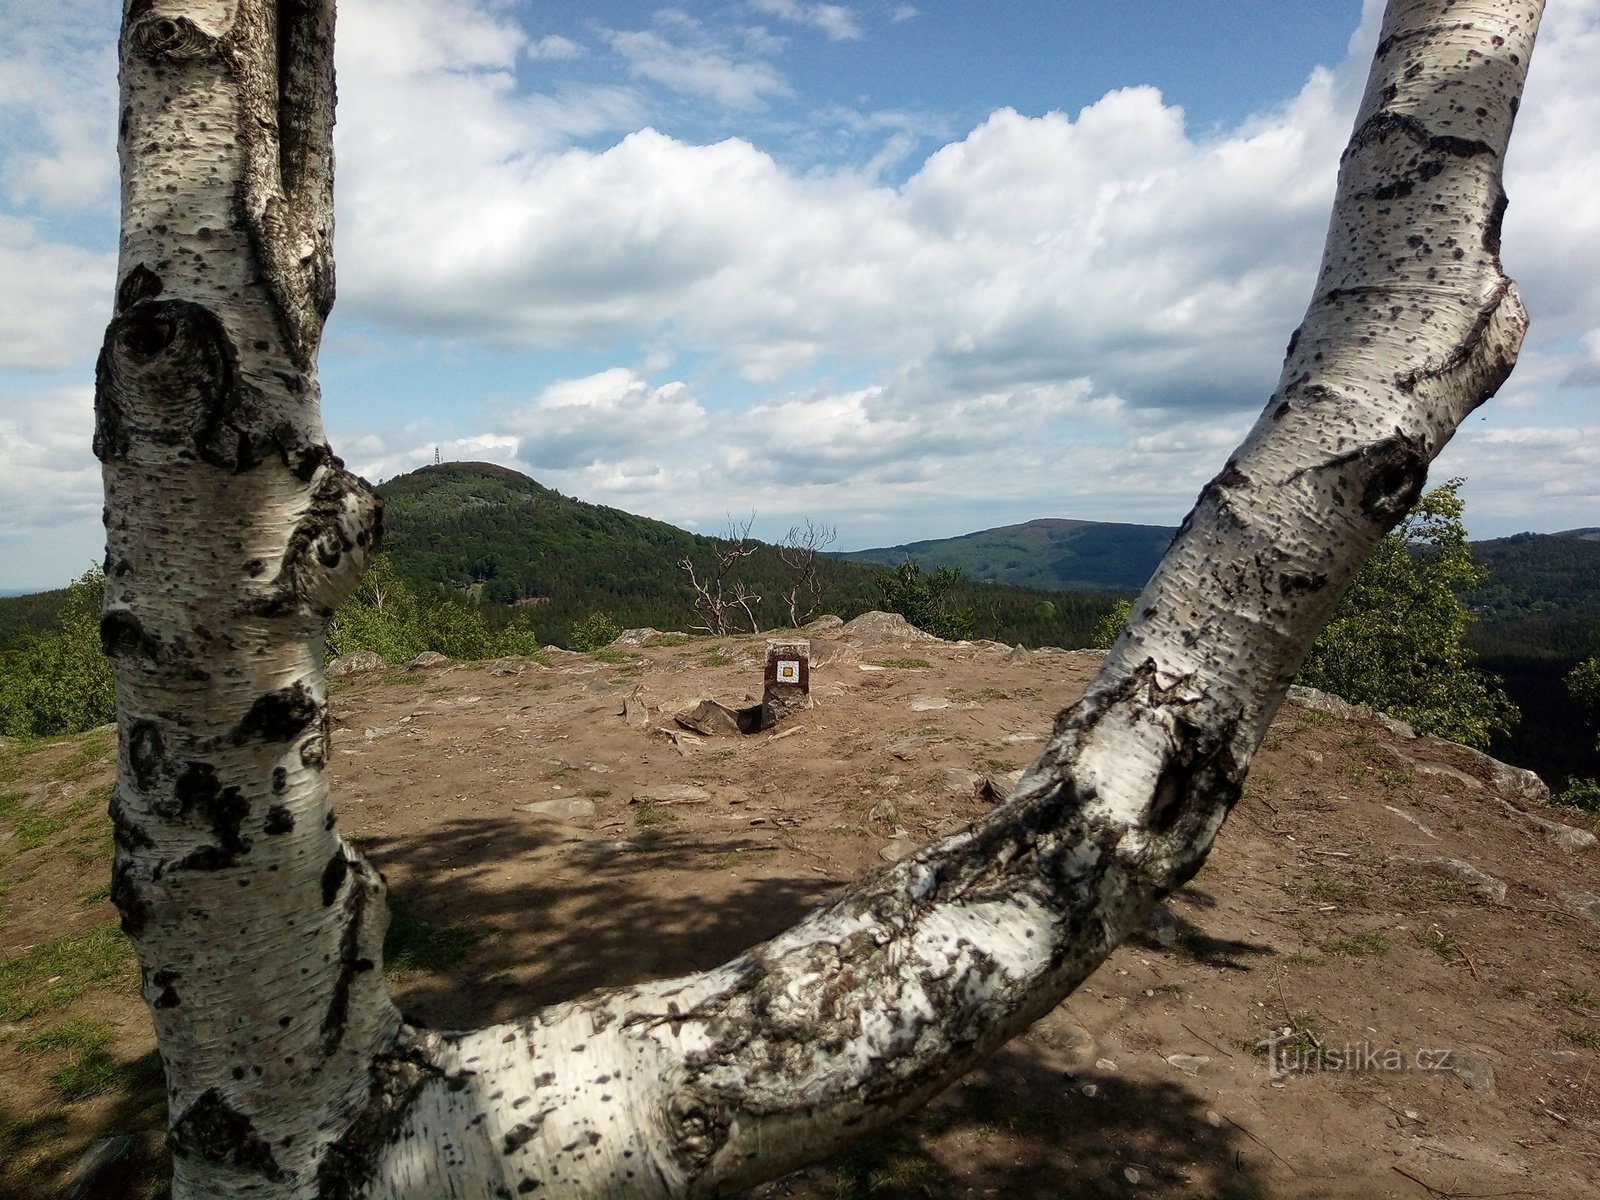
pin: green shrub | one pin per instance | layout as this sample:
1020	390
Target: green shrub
59	681
1397	640
595	631
1581	793
1111	625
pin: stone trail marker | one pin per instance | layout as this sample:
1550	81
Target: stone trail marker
787	687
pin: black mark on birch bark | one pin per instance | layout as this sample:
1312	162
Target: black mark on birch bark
351	964
146	753
279	716
394	1082
141	283
212	1130
166	994
122	635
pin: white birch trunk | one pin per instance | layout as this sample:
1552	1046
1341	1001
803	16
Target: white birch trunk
233	533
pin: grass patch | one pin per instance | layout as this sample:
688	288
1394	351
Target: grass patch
673	639
90	1069
1336	891
58	972
1589	1039
406	678
98	745
1372	944
647	815
1441	943
717	657
95	894
903	664
615	658
890	1164
413	944
36	825
1580	997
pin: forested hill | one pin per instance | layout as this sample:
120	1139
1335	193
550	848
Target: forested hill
489	535
1047	553
1543	594
1538	616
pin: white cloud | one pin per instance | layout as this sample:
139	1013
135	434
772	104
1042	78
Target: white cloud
1038	248
55	302
58	76
554	47
49	487
904	12
836	21
603	417
682	55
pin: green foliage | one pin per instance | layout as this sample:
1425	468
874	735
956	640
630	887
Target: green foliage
1583	685
927	601
595	631
1112	624
385	616
1581	793
1397	641
55	681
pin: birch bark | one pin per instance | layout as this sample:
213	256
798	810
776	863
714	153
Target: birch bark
233	532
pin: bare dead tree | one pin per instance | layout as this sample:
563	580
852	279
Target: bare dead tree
801	551
720	593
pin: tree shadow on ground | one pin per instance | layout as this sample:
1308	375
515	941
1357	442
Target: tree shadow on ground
552	914
1021	1129
45	1144
560	912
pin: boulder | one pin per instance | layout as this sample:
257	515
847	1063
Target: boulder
427	660
359	662
884	627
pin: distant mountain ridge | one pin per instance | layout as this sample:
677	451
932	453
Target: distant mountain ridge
1050	552
489	534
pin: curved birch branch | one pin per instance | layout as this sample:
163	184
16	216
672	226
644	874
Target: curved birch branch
233	532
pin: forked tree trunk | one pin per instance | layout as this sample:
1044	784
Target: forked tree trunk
233	533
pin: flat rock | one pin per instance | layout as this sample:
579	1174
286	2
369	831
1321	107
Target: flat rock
564	808
1583	904
428	660
1481	882
1476	1071
1566	836
712	718
508	666
672	793
1189	1064
646	637
929	703
961	783
635	711
1412	819
897	849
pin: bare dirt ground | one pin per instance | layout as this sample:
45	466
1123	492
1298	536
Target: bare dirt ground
1425	1035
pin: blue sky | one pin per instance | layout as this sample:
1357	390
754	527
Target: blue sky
908	269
